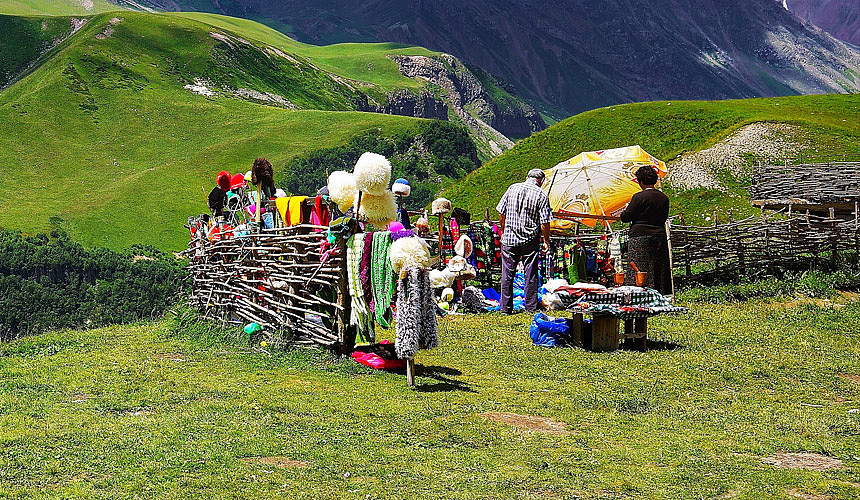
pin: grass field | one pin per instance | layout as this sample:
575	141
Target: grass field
666	129
364	62
103	134
132	412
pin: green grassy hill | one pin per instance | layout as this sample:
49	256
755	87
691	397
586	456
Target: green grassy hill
666	130
55	7
104	135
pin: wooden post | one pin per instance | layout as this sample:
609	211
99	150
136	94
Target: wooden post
834	238
856	227
686	244
441	251
345	333
410	372
605	329
641	325
577	333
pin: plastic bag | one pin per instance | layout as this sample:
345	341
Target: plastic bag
549	332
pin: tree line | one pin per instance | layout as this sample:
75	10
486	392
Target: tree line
48	281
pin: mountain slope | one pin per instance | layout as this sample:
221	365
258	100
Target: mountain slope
840	18
578	55
103	135
667	130
55	7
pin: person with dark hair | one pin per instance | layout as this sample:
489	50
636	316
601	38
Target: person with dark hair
524	216
218	195
648	247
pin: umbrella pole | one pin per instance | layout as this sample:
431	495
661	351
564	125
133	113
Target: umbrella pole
606	224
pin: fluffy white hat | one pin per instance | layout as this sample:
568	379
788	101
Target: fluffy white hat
378	210
401	187
441	279
407	252
441	206
464	246
372	174
342	190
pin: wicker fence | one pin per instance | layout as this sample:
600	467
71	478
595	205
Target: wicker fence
762	245
830	182
274	278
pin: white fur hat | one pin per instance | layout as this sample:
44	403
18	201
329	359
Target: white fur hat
342	190
463	246
441	206
407	252
378	210
401	187
372	174
441	279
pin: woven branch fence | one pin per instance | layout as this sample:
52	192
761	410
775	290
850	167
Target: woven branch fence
762	245
828	182
274	278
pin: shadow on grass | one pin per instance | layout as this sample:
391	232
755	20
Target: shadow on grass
653	345
441	375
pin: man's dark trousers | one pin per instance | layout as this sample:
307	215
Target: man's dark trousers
511	256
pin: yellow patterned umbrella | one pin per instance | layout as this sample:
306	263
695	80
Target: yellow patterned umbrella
598	183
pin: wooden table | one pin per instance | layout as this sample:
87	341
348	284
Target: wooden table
606	334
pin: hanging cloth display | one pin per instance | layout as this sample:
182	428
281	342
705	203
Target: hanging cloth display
416	314
364	271
382	277
360	317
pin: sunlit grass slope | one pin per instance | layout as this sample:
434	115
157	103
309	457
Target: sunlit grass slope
830	123
104	135
131	412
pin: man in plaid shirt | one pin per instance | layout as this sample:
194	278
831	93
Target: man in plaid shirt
524	214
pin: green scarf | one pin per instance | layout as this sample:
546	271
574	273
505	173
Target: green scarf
382	277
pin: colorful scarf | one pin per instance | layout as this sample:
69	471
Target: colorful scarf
360	317
382	277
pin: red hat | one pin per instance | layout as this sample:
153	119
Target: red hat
223	180
237	181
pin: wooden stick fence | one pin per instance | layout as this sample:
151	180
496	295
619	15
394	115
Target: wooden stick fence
274	278
763	245
811	183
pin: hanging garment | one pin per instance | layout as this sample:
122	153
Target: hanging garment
364	270
462	217
360	314
455	229
382	278
416	314
403	218
320	215
296	210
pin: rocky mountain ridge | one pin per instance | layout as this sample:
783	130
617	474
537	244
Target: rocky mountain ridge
840	18
572	55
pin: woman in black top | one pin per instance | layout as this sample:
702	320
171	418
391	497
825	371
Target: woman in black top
647	213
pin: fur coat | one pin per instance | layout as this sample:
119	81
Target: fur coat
416	314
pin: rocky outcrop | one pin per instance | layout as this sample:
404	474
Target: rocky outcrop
468	96
406	103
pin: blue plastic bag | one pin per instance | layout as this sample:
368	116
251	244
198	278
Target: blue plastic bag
549	332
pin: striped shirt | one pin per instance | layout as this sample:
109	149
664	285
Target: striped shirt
525	207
